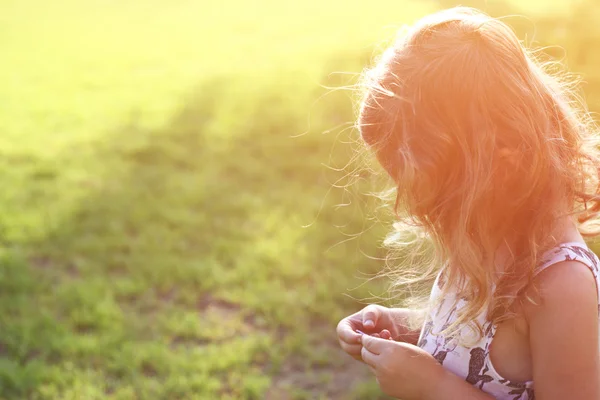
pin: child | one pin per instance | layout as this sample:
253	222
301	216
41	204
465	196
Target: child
495	164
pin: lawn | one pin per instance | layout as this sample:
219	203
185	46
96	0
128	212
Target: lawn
182	216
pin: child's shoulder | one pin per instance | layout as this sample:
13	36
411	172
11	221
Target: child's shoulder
562	322
566	280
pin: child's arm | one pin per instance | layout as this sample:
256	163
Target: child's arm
563	333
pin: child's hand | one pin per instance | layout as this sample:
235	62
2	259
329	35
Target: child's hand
372	320
401	369
384	334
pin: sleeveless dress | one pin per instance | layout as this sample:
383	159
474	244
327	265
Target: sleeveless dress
472	361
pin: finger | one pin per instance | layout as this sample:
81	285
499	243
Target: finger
385	334
346	332
373	344
375	335
370	316
369	358
352	349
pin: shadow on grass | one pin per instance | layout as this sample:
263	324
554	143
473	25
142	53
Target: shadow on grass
185	269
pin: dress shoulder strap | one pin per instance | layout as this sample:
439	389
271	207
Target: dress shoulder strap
573	251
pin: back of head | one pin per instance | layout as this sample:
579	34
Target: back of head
483	145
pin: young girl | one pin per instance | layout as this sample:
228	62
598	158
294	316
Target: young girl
495	164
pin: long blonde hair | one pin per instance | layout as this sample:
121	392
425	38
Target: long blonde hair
484	146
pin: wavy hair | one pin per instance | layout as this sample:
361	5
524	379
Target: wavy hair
486	145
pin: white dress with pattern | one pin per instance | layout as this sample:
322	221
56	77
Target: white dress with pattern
473	362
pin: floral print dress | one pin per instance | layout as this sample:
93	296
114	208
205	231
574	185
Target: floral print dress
473	362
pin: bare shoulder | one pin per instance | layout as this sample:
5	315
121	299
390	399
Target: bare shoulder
561	287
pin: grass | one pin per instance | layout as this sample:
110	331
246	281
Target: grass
168	227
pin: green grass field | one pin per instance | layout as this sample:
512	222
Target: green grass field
170	227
